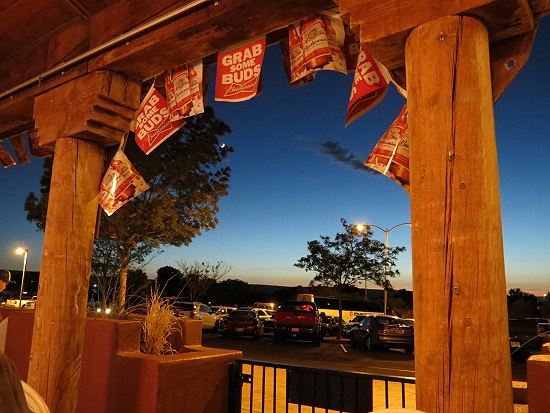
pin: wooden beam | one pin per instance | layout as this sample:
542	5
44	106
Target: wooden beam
56	349
385	37
462	353
204	32
102	106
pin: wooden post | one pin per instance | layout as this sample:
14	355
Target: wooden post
81	117
462	354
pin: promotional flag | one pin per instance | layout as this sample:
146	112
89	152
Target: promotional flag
153	125
315	43
120	184
370	84
20	147
238	72
285	54
5	157
184	90
36	150
390	155
352	47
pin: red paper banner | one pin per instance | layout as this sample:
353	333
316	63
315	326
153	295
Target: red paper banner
352	47
153	124
20	148
370	84
5	157
120	184
315	43
238	72
390	155
184	90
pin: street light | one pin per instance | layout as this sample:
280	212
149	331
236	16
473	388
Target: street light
361	227
24	251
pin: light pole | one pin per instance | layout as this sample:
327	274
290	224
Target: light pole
386	231
24	251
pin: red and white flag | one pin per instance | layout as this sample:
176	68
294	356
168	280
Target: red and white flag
20	147
370	85
184	91
315	43
5	157
238	72
153	125
390	155
120	184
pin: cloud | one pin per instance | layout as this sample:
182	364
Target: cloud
343	155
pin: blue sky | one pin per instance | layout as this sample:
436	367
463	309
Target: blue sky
285	192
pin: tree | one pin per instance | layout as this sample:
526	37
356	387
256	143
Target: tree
199	277
231	292
350	258
185	186
169	281
522	304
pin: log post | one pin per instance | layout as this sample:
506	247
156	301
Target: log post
81	118
462	355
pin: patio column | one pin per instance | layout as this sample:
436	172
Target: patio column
80	118
462	355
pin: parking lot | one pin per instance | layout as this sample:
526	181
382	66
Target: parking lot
332	354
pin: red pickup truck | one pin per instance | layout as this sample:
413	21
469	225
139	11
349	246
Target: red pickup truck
298	320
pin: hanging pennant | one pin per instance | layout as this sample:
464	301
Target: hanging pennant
238	72
120	184
184	90
5	157
20	148
352	47
153	125
390	155
315	43
370	85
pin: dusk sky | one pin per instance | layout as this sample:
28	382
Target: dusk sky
285	190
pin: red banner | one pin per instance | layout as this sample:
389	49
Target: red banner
120	184
20	148
370	84
238	72
5	157
153	125
390	155
315	43
184	90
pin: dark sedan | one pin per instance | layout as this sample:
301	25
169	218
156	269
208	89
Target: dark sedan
243	323
383	331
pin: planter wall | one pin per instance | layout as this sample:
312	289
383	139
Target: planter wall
117	378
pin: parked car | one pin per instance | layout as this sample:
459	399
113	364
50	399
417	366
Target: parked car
243	323
26	302
222	312
353	323
383	331
329	325
298	320
197	311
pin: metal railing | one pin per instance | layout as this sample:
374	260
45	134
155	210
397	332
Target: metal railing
265	387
